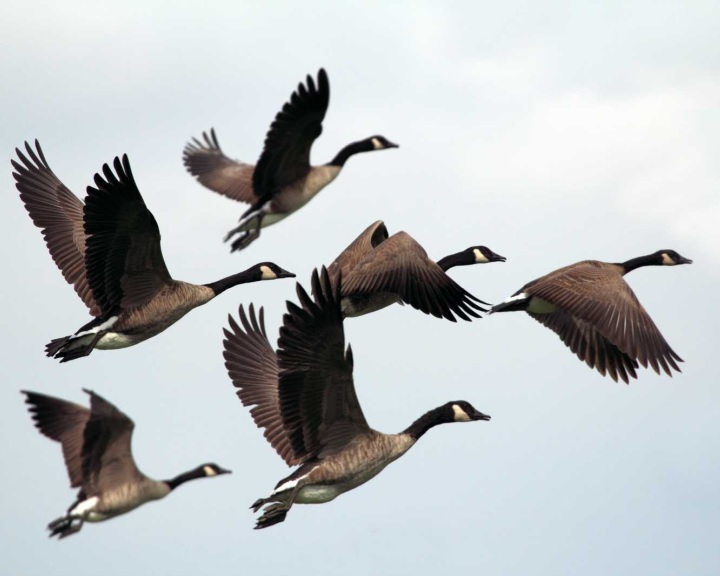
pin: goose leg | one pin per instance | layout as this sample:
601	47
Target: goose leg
249	230
276	512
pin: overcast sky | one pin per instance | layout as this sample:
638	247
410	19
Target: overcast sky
551	132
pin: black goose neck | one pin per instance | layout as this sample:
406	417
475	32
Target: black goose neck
634	263
457	259
249	275
185	477
426	421
353	148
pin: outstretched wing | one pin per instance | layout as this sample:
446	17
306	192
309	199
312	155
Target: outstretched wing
124	262
318	402
401	266
286	155
59	213
63	422
596	296
213	169
368	240
107	459
252	366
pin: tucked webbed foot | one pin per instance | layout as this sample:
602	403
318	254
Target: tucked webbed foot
273	514
64	527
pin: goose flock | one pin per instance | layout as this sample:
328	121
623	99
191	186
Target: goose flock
302	394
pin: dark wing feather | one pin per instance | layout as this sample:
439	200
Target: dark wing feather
123	258
597	294
252	366
107	459
59	213
63	422
401	266
286	155
360	248
589	345
318	402
213	169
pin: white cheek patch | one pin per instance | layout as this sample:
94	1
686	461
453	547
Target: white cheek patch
460	414
667	261
267	273
377	145
209	471
480	258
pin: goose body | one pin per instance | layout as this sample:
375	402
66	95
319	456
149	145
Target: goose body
96	444
109	249
597	315
283	180
379	270
305	400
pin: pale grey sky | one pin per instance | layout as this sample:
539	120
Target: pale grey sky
550	132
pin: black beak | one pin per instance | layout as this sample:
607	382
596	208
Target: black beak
480	416
684	260
497	258
391	145
223	471
285	274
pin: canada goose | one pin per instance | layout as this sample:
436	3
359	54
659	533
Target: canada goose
283	179
379	270
305	400
109	249
98	457
597	315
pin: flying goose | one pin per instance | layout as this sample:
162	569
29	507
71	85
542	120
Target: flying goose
379	270
283	180
305	399
597	315
109	249
96	447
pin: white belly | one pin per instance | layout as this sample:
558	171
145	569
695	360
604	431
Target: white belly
115	341
317	494
540	306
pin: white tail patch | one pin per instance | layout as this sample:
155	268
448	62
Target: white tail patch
84	507
287	485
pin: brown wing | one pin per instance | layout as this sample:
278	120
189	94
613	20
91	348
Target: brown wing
124	262
318	403
59	213
401	266
207	162
589	345
361	247
596	293
107	460
252	366
63	422
286	155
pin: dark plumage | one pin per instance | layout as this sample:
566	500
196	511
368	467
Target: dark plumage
597	315
99	461
379	270
109	249
305	399
283	179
